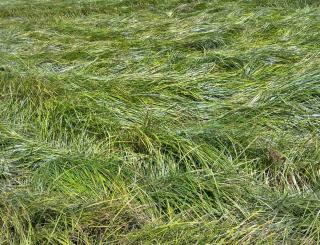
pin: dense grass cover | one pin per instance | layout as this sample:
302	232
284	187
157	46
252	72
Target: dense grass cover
160	122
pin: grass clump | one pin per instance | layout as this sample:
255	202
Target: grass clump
159	122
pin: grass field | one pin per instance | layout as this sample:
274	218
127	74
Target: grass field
159	122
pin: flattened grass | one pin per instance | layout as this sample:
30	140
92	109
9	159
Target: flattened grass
159	122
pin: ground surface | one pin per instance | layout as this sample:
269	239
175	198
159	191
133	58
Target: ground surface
160	122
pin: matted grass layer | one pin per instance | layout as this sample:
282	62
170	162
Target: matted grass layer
159	122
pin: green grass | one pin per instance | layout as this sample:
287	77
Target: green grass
160	122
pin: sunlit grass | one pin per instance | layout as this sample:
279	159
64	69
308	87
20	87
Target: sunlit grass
159	122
